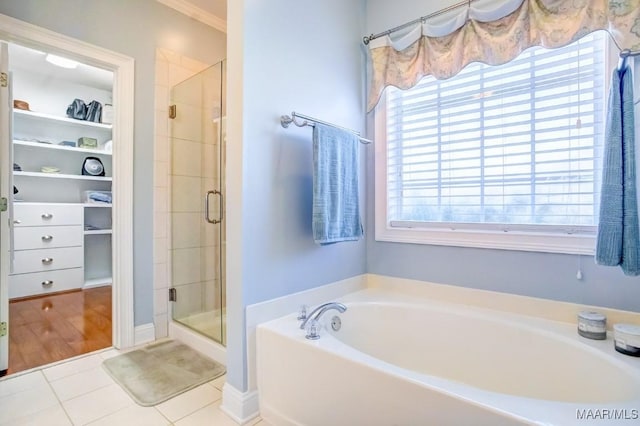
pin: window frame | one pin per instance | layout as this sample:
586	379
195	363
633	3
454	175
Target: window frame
489	236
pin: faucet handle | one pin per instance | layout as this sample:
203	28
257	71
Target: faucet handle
302	313
313	330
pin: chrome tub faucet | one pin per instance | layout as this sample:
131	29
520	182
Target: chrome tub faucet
313	318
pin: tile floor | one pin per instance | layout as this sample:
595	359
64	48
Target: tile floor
80	392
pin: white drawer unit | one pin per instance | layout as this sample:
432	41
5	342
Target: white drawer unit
48	248
27	261
41	237
47	214
24	285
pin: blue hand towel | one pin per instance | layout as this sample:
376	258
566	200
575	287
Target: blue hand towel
336	206
618	239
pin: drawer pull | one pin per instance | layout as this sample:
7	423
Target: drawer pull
47	238
17	222
47	260
47	283
47	216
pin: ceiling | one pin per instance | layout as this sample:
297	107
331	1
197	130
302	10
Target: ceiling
24	58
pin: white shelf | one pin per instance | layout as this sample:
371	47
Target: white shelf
104	205
98	232
57	119
98	282
62	176
60	147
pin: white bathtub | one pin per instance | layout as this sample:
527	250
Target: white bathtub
401	360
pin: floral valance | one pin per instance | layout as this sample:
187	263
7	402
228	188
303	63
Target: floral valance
476	34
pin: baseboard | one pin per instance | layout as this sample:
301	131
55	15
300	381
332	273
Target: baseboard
198	342
242	407
144	333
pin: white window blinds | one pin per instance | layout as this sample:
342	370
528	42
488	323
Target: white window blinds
516	144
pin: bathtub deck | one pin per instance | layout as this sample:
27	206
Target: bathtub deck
392	391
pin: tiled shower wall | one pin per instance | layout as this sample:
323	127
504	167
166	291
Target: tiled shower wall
171	68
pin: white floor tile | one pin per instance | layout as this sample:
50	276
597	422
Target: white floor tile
97	404
26	403
110	353
21	383
209	415
72	367
83	382
189	402
219	382
133	415
54	416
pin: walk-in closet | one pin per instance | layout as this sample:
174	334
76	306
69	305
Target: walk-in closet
61	232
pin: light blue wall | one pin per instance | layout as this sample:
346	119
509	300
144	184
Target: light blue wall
303	56
549	276
133	28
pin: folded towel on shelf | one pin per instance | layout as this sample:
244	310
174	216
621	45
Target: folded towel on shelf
618	239
100	197
336	203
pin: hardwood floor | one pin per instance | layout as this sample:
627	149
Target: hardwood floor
50	328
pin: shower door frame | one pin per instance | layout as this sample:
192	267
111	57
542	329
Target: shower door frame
208	216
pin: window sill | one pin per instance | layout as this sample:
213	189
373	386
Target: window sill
522	241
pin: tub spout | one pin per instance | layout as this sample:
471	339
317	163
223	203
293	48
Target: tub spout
317	312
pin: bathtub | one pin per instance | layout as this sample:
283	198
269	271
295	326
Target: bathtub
402	360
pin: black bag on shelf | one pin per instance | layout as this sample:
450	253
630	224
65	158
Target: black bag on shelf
77	109
94	112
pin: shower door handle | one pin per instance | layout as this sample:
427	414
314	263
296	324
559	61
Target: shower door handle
206	207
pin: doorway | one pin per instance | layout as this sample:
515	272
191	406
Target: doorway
82	212
198	138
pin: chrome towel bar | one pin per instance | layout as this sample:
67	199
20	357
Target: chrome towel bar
286	120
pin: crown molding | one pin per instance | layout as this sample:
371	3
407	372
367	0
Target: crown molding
196	13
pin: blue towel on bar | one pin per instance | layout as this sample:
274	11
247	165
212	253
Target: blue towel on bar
336	206
618	239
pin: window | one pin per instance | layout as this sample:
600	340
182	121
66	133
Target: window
498	156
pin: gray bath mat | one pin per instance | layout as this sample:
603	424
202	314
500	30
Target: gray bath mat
161	371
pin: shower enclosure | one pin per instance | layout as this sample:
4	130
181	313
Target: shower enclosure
197	247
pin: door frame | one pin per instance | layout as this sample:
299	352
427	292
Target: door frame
23	33
5	192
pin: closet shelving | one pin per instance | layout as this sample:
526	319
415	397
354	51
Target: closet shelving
50	119
36	145
61	176
37	137
40	145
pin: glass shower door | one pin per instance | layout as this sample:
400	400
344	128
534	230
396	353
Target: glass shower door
197	203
